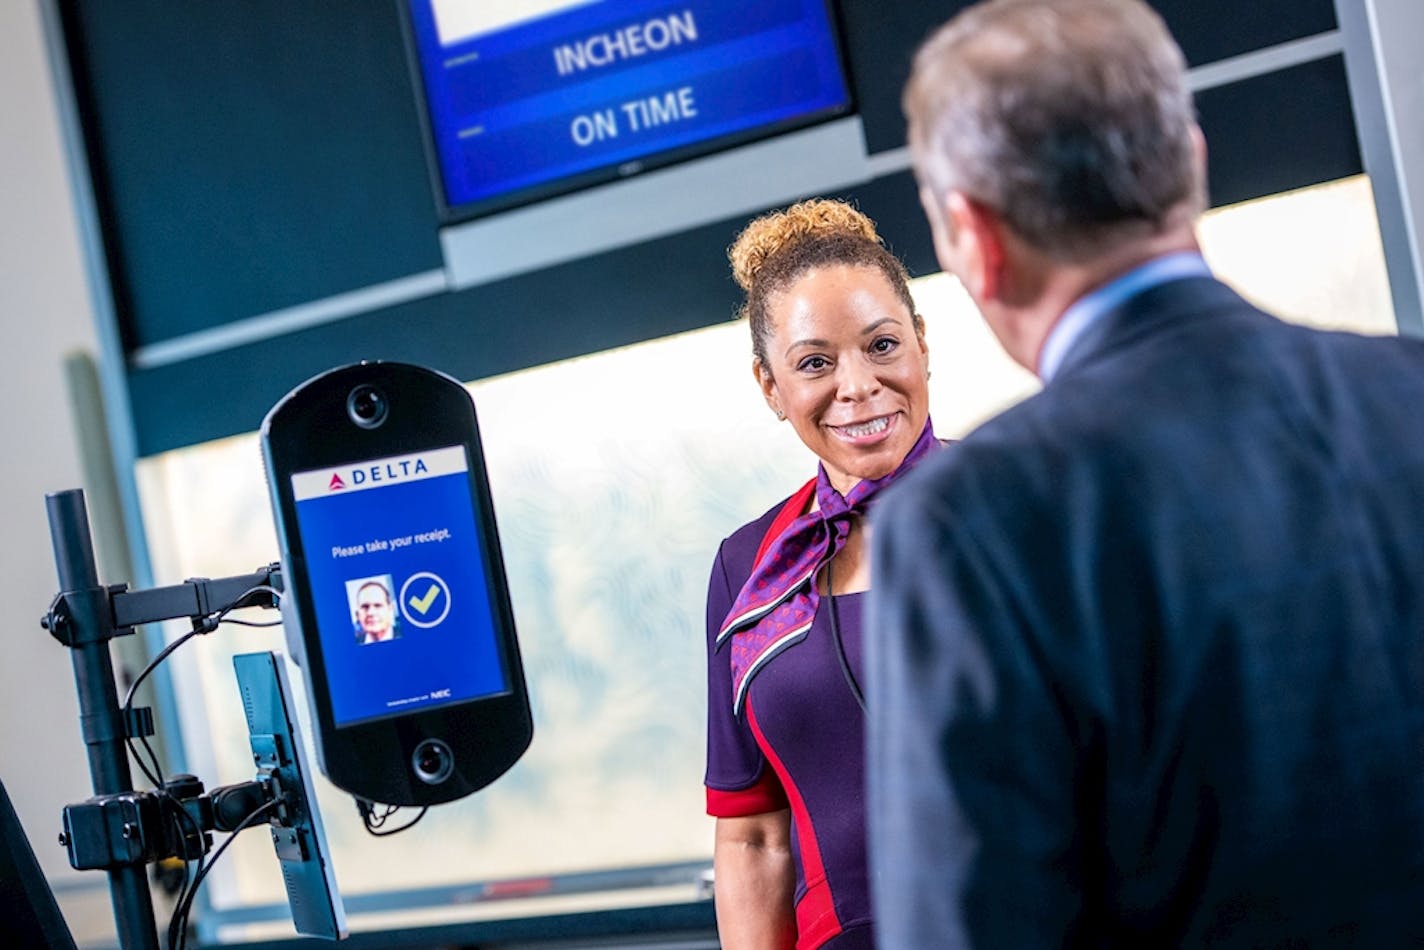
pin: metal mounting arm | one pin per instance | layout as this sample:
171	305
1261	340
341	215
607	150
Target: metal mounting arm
120	830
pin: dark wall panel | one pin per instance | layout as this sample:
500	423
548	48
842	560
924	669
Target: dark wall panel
250	156
893	203
1283	130
1212	30
881	39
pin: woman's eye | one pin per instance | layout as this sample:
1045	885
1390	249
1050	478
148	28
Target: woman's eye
813	364
884	344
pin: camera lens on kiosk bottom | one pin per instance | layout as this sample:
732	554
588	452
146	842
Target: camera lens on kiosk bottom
432	761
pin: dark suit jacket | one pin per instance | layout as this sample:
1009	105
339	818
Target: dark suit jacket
1147	663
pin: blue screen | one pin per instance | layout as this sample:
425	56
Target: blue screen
399	585
524	94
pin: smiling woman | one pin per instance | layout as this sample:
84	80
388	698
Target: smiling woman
847	367
839	352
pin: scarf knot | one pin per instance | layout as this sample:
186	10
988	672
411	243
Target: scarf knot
778	601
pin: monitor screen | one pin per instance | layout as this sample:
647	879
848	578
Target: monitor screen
398	575
529	98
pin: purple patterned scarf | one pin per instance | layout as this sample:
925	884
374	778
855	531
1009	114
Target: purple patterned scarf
778	601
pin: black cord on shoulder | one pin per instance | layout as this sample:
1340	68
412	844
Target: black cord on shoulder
840	644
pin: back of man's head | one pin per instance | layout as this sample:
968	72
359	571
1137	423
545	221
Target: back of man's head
1070	118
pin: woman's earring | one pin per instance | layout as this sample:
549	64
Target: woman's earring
780	416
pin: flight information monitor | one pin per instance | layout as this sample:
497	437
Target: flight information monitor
529	98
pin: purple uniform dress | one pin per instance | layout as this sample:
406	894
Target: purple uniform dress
799	744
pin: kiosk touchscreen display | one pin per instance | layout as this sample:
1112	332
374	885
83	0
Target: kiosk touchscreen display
399	583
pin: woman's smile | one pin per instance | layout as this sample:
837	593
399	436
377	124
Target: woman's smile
868	432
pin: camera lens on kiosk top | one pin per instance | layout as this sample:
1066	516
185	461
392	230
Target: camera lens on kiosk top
367	406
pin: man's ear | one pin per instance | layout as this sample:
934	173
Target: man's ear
939	228
1199	156
979	237
1199	146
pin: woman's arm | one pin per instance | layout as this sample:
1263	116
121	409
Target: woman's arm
755	882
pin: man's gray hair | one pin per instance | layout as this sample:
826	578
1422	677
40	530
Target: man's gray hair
1070	118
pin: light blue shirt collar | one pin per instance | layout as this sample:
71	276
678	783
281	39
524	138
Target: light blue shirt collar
1090	308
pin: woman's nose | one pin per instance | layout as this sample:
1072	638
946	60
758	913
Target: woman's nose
856	380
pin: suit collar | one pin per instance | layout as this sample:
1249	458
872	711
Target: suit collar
1089	309
1144	313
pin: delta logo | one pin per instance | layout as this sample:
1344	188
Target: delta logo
381	472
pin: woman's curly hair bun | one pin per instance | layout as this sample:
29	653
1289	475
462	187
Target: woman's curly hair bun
773	233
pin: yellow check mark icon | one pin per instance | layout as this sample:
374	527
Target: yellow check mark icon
421	605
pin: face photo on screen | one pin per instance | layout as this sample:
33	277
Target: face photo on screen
373	609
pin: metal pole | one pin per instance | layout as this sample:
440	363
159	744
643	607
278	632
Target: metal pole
1382	46
100	718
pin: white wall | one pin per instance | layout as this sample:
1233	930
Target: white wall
44	314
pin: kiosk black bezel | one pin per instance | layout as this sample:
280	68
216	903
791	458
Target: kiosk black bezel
311	428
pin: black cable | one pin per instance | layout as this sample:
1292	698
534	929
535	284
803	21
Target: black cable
153	665
373	826
190	878
157	778
840	644
201	625
184	909
374	820
367	810
156	775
